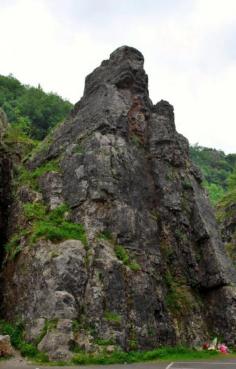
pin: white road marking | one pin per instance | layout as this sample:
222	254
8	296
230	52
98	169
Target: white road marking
169	366
203	362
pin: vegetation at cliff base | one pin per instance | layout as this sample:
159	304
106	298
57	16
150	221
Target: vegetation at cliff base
16	333
162	353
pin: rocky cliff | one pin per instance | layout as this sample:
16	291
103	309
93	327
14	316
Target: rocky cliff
5	183
113	237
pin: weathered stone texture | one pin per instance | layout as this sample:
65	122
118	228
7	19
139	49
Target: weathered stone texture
126	175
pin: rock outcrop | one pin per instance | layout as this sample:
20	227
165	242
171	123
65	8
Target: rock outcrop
153	270
6	348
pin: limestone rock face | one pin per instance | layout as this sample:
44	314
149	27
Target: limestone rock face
154	271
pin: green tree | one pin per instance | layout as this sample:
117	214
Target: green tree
35	111
216	167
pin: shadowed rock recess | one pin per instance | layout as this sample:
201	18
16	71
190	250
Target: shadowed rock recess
153	270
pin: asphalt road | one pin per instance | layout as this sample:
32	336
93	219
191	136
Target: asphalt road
220	364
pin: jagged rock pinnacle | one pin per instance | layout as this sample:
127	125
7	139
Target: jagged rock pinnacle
154	259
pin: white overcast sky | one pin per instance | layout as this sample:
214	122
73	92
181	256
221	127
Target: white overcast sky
189	48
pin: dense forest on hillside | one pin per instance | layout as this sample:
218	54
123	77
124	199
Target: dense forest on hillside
30	108
217	169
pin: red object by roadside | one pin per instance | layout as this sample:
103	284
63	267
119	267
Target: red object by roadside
223	348
205	346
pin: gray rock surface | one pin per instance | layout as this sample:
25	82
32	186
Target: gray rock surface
57	342
154	271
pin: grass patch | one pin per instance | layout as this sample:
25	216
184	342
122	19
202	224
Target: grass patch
57	232
16	333
50	166
112	317
133	265
29	178
52	225
165	353
35	211
123	255
48	225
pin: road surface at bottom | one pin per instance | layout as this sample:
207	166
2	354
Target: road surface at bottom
217	364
